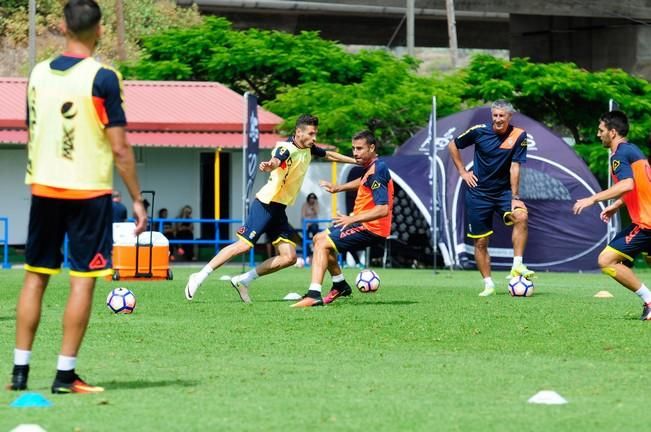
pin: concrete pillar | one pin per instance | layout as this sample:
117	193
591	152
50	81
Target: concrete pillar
591	43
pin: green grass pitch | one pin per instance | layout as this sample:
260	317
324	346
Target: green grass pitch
425	353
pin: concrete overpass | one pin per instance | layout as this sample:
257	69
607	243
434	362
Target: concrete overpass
595	34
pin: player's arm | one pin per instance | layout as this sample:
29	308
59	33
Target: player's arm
609	211
374	213
125	163
334	188
270	165
333	156
279	155
515	186
455	154
107	88
615	191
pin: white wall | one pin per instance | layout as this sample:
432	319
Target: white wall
14	194
174	173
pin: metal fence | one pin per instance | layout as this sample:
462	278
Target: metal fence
4	241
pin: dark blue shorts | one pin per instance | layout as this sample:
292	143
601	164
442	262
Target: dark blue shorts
266	218
353	237
630	242
480	209
88	223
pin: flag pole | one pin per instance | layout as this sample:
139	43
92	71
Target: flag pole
434	182
245	125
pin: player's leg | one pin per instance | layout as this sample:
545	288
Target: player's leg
618	258
89	226
519	219
258	219
42	258
480	227
280	231
225	255
321	248
285	257
340	287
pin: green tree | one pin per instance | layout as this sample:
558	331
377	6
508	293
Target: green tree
392	102
565	97
261	61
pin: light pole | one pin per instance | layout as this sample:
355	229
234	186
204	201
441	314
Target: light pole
452	32
31	51
410	27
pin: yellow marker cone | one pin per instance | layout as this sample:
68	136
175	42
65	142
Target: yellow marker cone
603	294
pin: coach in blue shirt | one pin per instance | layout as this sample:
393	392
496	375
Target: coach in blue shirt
493	186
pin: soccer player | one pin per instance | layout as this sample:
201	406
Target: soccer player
493	186
630	170
369	225
288	165
76	132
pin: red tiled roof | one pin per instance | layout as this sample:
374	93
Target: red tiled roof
160	114
168	139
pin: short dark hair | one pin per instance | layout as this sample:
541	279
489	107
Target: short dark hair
616	120
307	120
367	136
82	16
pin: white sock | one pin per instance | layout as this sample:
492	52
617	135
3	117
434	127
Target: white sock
315	287
488	282
248	277
517	260
204	273
644	294
65	363
21	357
338	278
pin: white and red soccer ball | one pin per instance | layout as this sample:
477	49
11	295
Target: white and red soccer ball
121	301
520	286
367	281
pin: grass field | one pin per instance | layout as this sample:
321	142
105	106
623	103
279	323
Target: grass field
423	354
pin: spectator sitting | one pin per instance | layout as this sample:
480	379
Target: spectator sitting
310	210
185	231
167	229
119	210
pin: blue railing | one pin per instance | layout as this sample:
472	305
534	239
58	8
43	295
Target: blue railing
217	241
5	243
308	241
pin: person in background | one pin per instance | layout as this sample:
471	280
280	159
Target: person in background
119	210
167	229
77	135
185	231
310	210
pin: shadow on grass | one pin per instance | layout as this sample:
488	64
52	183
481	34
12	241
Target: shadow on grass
125	385
383	303
353	303
7	318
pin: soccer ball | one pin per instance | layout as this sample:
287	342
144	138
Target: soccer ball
520	286
121	301
300	263
367	281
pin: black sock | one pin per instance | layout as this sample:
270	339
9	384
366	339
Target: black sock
340	286
313	294
65	376
21	369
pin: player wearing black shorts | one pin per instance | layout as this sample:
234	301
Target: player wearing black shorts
76	135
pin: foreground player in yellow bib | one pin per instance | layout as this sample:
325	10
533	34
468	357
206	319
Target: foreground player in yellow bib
76	133
288	165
